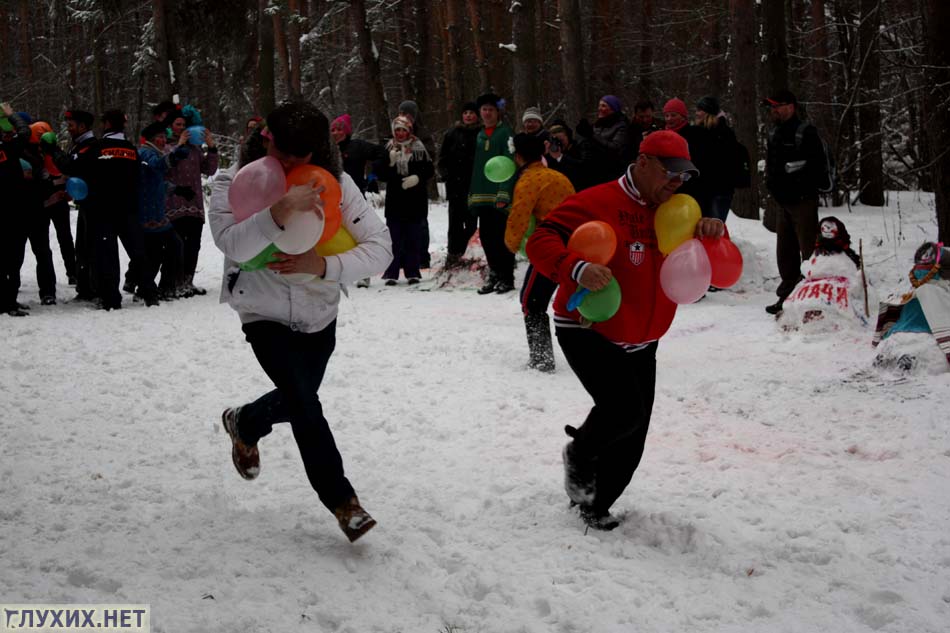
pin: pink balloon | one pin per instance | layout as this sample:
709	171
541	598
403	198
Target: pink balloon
686	272
256	186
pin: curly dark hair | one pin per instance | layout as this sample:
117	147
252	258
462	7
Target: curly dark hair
253	148
300	128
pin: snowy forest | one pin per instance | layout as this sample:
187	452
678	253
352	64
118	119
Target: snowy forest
873	75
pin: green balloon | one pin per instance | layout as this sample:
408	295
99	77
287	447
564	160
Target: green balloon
260	261
603	304
532	224
5	124
50	138
500	169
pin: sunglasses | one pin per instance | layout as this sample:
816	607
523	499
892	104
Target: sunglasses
682	176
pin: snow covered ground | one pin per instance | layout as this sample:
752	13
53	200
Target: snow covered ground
787	485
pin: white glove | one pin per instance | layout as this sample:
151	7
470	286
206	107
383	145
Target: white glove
410	181
393	155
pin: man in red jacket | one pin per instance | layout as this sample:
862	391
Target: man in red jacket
615	360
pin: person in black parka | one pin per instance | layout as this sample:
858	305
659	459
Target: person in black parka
456	157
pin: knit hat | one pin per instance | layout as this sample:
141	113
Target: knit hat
192	115
779	97
80	116
403	122
488	98
152	130
532	113
678	106
344	123
529	147
671	149
709	105
469	105
115	118
411	108
614	102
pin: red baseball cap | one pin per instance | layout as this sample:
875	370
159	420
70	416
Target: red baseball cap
671	149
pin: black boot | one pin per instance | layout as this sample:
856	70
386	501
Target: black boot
776	307
540	349
489	286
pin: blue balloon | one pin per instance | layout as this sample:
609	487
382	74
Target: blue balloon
77	188
196	135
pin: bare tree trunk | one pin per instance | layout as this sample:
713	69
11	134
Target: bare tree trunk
821	112
715	72
421	23
775	46
455	79
478	36
26	50
280	45
869	113
293	46
743	56
572	59
645	70
525	91
266	97
161	48
370	59
937	47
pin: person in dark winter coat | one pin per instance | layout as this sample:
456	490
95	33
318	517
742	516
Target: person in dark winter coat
55	203
407	202
563	155
719	172
699	140
490	200
37	222
456	157
15	190
163	247
793	171
411	109
604	144
185	202
615	359
355	152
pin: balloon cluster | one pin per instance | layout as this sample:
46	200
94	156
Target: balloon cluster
261	183
596	242
692	265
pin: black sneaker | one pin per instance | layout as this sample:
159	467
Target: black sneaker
391	282
488	288
504	286
353	519
776	307
413	281
598	519
128	287
247	459
48	301
17	312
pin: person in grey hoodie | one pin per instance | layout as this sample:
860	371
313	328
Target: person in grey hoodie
292	326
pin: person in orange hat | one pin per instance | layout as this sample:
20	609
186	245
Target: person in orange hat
615	360
55	202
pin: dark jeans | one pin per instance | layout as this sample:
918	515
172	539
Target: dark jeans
719	205
795	233
501	261
622	384
110	227
296	362
38	228
462	225
189	230
58	214
407	244
536	292
425	259
84	255
12	244
162	250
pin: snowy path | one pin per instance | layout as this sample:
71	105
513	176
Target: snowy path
781	489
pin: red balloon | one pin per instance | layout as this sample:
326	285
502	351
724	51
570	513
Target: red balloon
331	196
726	261
595	241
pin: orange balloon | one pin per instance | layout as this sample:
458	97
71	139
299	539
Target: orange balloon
331	195
595	241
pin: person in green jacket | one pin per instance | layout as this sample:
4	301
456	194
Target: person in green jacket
490	200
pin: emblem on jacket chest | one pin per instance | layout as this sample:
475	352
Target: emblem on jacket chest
637	253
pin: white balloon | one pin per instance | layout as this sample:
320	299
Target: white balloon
301	233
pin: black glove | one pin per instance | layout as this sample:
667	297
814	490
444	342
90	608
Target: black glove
184	192
584	128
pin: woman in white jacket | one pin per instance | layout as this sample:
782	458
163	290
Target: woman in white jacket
292	327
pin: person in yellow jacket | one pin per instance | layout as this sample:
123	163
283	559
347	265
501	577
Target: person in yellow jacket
538	191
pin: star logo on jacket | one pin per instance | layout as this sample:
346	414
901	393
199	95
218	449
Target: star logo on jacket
637	253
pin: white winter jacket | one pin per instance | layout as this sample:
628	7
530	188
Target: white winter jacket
263	295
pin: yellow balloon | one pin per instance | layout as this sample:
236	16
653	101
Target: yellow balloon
340	242
675	221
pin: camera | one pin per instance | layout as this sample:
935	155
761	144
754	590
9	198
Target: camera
554	145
